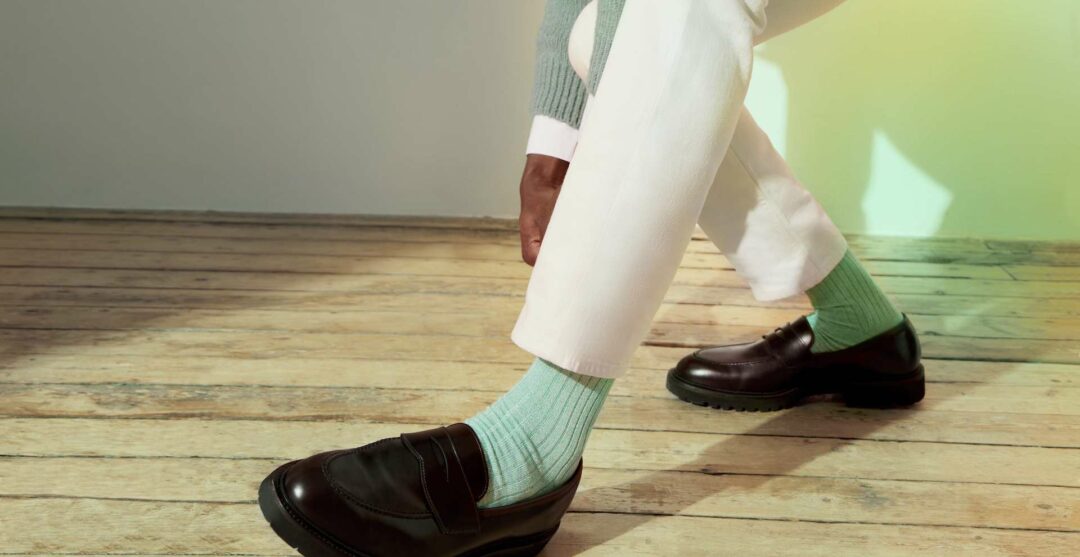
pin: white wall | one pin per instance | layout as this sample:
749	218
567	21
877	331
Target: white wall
342	106
422	107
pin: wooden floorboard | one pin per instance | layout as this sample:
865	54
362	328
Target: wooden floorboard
153	367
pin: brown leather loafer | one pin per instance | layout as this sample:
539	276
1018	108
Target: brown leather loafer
411	495
780	370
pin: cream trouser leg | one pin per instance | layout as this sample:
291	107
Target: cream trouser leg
665	115
771	229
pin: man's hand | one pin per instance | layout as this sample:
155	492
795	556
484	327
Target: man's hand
540	185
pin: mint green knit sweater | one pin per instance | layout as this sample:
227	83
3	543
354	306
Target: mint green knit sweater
557	91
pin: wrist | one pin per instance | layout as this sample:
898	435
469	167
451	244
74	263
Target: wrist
545	168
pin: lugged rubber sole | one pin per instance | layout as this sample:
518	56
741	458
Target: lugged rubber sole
302	537
881	393
309	542
528	546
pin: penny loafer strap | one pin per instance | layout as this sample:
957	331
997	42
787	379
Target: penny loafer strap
444	481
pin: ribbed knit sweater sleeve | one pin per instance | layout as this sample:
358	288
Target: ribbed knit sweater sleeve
557	91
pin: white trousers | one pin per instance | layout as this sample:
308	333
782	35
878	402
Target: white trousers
665	144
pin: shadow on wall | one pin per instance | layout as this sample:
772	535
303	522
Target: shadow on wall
923	118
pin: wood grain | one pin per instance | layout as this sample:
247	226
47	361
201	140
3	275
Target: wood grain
153	367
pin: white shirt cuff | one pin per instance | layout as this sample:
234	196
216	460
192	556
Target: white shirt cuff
551	137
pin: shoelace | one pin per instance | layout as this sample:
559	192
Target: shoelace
776	330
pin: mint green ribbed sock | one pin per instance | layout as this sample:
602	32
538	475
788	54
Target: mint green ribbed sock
533	436
849	308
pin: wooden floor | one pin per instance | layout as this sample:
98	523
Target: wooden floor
154	368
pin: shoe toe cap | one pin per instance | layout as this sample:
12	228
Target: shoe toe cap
700	369
305	486
692	369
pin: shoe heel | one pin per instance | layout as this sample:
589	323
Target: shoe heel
903	391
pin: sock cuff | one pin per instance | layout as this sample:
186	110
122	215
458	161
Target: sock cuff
839	278
533	436
849	307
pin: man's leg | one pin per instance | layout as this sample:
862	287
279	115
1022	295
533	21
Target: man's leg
856	343
656	132
657	129
768	225
781	241
662	120
778	237
773	231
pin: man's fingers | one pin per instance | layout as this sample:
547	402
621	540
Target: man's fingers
530	242
529	251
540	184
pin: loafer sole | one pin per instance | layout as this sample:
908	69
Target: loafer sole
887	392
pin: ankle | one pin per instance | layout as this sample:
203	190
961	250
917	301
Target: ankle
533	436
849	307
